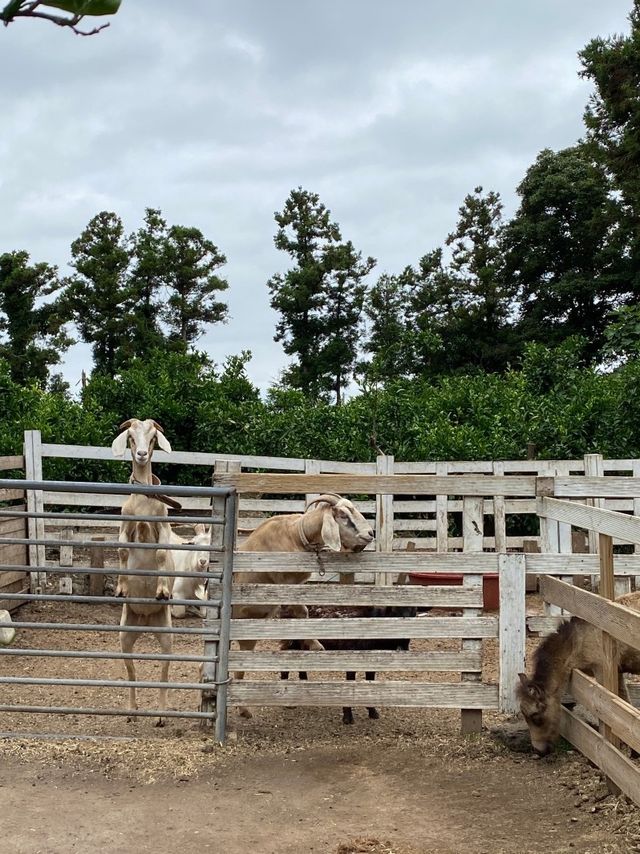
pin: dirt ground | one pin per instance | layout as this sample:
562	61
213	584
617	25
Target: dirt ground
288	780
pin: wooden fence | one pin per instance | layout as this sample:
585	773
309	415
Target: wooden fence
13	581
467	518
619	721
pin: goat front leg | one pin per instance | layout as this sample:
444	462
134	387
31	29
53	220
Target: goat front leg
122	588
347	713
127	642
165	641
163	591
370	676
301	612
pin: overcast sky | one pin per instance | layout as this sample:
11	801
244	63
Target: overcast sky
391	110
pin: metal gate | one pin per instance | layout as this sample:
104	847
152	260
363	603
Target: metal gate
214	630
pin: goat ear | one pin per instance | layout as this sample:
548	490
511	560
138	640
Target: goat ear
331	532
200	529
163	442
119	444
524	680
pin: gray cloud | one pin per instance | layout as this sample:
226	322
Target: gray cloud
213	112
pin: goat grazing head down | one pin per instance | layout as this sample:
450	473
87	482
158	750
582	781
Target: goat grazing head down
142	437
343	527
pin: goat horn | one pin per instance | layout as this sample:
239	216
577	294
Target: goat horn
126	424
331	498
157	426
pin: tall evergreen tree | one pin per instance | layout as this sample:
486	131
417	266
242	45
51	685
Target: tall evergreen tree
345	292
191	262
320	299
567	250
148	278
389	340
99	295
33	336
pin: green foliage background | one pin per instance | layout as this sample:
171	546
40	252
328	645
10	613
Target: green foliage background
566	409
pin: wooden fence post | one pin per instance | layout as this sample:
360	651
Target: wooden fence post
549	538
593	467
499	516
472	533
35	504
65	582
442	515
384	518
609	644
636	512
511	570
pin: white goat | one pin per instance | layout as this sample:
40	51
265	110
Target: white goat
7	632
335	525
142	436
150	616
190	561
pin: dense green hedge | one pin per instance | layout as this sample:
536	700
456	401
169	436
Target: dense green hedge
565	409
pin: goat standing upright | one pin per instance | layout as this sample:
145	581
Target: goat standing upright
142	436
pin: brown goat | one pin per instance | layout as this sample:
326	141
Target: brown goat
576	644
330	522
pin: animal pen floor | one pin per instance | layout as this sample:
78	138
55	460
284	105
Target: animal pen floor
289	780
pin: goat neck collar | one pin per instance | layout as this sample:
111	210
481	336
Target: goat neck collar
170	502
306	542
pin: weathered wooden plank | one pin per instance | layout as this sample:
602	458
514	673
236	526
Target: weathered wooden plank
11	494
19	586
597	487
544	625
11	462
381	484
7	578
376	660
13	527
13	555
366	627
619	621
414	524
403	694
346	594
593	518
618	768
512	627
364	562
88	452
623	719
579	564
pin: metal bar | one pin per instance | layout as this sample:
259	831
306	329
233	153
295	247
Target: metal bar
116	488
67	653
130	713
108	600
222	671
99	683
92	627
113	570
111	517
110	544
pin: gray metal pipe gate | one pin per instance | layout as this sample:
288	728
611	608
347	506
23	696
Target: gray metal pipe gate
215	628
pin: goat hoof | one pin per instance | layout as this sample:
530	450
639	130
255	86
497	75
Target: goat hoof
347	721
374	714
160	723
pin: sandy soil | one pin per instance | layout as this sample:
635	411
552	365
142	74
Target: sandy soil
289	780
